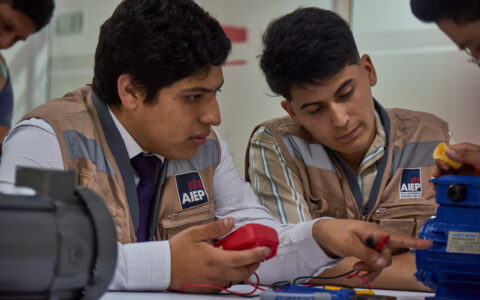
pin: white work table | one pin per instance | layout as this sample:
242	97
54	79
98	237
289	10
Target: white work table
401	295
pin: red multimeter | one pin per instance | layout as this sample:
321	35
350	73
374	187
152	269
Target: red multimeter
250	236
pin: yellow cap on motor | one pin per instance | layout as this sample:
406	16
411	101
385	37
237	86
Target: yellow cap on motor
439	153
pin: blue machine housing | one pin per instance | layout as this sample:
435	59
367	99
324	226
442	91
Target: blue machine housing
452	266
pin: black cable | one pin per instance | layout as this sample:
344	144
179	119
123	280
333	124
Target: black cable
322	277
280	284
334	277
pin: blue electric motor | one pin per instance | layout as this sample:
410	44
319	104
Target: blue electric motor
452	266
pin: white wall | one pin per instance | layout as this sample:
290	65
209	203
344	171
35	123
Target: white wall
418	67
73	54
28	65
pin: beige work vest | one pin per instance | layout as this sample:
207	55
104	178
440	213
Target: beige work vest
329	184
79	121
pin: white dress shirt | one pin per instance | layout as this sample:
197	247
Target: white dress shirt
146	266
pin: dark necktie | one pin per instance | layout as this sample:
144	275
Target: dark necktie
146	167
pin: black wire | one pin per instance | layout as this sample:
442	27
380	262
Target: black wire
280	284
322	277
334	277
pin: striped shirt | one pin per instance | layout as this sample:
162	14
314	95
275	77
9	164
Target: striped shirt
282	191
367	171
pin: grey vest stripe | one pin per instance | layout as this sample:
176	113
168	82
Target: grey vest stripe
119	151
313	155
207	155
78	146
413	155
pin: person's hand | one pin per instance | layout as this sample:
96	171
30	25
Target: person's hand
342	238
466	153
195	260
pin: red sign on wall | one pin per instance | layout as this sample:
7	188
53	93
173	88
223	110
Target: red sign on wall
236	35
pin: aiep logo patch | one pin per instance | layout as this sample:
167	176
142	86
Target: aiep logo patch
190	189
411	184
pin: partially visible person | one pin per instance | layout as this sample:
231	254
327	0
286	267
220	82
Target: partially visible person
142	137
18	20
460	21
466	153
339	153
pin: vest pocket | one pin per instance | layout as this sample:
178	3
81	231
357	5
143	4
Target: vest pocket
405	218
401	210
323	208
179	221
405	226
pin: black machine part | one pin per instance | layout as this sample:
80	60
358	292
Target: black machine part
59	244
456	192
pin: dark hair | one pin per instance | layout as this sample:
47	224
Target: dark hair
459	11
157	42
307	46
39	11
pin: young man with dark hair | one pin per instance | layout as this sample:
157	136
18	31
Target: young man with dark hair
18	20
142	138
339	153
460	21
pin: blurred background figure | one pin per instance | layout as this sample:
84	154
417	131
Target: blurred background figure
18	20
460	21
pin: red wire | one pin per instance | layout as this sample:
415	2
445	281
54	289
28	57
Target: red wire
256	287
382	243
365	281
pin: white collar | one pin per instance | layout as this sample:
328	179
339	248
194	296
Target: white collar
133	148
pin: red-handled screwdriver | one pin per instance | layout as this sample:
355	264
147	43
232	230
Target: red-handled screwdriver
379	246
382	243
